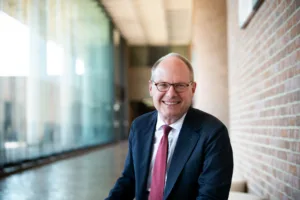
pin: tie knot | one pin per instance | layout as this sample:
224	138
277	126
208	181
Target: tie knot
167	129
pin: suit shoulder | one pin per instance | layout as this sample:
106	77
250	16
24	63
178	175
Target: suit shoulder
144	118
205	118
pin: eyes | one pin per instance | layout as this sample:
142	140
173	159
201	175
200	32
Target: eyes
176	85
179	87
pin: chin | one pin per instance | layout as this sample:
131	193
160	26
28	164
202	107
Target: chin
172	115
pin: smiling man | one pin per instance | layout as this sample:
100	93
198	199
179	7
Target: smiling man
175	152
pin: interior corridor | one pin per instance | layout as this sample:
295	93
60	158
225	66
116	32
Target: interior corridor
86	177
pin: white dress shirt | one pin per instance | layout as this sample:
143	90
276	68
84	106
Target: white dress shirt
172	140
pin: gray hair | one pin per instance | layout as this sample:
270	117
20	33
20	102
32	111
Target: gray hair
177	55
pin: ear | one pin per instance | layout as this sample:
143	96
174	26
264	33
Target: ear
194	87
150	87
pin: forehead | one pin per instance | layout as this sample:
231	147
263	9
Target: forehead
172	69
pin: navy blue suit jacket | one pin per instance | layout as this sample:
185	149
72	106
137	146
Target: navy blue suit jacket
201	166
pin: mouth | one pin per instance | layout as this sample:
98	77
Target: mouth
171	103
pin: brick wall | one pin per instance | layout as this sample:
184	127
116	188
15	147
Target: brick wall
264	97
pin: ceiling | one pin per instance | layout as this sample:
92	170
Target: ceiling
152	22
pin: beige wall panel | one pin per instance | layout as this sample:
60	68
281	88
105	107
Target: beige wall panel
209	58
138	82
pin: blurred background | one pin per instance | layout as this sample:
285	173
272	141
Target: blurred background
74	74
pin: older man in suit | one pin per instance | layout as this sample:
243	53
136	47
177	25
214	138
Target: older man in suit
176	152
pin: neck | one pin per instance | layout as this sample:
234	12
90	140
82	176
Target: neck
170	120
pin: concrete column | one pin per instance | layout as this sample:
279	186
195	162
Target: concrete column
209	58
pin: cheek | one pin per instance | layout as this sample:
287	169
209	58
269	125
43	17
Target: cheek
158	96
186	97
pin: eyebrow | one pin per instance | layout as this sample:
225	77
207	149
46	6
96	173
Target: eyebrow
172	83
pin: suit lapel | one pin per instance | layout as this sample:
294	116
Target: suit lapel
186	142
145	151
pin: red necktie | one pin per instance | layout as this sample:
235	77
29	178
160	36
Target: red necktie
159	168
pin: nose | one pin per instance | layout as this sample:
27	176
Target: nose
171	92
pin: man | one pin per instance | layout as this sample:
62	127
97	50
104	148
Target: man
176	152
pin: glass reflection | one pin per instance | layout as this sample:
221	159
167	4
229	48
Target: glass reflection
57	78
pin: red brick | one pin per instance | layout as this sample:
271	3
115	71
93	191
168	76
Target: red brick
266	110
293	158
293	169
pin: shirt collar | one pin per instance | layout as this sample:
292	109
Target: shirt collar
177	125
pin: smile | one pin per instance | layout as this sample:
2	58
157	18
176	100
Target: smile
171	102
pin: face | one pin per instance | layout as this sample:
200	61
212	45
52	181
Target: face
170	104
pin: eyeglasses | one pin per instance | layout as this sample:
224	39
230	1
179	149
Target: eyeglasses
179	87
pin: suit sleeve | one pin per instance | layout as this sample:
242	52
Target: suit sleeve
215	179
124	187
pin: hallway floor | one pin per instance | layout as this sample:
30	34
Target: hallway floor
86	177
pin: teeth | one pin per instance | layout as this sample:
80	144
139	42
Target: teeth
171	103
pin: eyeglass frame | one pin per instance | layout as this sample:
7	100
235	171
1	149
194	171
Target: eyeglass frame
174	85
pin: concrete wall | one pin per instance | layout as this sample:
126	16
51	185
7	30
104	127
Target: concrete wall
264	97
209	57
138	78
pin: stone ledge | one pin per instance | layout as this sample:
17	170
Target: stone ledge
243	196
